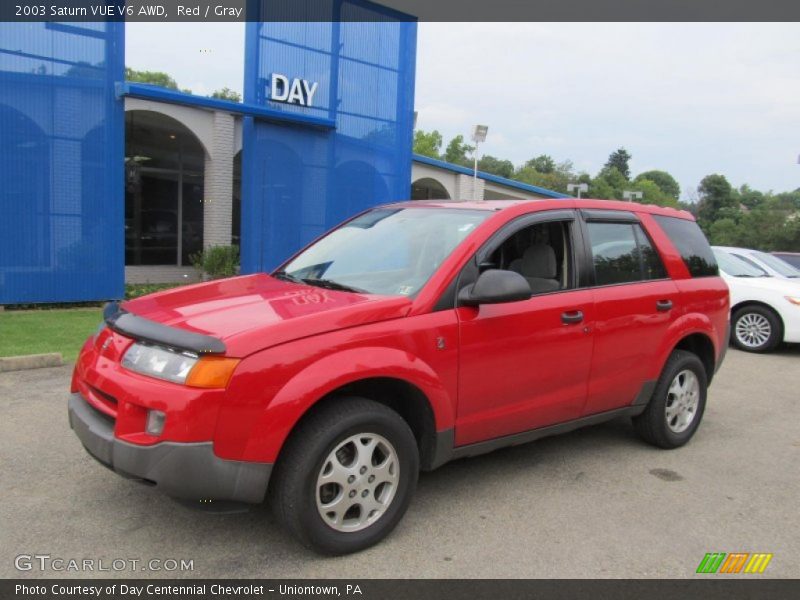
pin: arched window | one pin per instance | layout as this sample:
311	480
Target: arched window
164	171
428	189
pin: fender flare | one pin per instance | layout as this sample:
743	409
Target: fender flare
280	416
683	327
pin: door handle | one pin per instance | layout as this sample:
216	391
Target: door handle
574	316
664	305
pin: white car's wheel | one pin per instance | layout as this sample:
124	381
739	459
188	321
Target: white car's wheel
756	329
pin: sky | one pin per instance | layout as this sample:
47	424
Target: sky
692	99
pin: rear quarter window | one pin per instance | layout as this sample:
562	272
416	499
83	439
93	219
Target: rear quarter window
691	243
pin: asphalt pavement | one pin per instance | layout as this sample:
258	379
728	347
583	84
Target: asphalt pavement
593	503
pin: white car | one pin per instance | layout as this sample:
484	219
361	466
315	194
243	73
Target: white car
773	265
765	310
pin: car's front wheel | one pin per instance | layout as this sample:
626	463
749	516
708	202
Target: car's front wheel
756	329
346	476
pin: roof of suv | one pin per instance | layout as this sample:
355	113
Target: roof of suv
547	203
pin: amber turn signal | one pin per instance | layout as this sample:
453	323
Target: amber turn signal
212	372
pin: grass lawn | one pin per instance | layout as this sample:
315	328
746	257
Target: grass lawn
39	331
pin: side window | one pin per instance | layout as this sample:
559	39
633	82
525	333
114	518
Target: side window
652	267
622	253
691	243
541	253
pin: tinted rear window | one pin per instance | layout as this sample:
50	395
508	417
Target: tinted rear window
692	245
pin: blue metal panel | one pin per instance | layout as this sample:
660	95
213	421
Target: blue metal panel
61	162
299	181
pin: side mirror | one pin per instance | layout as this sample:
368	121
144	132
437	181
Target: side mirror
494	287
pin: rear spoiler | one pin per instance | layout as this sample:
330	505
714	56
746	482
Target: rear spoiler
139	328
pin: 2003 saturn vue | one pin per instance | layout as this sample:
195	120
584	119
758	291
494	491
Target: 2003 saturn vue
411	335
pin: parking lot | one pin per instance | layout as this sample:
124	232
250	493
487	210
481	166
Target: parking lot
593	503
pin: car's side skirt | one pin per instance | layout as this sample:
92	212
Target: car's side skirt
445	451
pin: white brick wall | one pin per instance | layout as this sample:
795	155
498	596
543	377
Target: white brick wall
217	197
466	189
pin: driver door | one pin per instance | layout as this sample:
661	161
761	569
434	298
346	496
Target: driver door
525	365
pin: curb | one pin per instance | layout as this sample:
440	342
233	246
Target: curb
30	361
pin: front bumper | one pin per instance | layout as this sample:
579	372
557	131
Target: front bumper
183	470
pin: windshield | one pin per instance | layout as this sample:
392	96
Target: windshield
776	264
736	267
385	251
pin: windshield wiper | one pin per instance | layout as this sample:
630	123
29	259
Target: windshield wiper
334	285
287	277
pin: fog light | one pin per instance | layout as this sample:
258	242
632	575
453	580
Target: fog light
155	422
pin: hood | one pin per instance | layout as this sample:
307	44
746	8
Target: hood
255	312
772	284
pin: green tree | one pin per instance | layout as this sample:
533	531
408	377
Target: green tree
542	163
227	94
619	160
652	194
725	232
502	168
716	199
610	178
748	197
152	77
428	144
457	151
663	180
555	177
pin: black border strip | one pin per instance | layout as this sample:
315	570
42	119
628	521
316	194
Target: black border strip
406	10
701	587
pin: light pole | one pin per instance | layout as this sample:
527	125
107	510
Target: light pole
478	136
578	187
631	196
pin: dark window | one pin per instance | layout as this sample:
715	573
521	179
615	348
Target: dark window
541	253
652	267
622	253
692	245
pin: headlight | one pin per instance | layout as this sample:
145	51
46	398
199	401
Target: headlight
155	361
180	366
793	299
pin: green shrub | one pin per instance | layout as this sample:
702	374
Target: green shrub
216	262
134	290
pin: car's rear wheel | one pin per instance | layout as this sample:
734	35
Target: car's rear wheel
678	402
756	329
346	476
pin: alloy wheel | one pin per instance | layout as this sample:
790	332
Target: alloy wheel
753	330
357	482
683	398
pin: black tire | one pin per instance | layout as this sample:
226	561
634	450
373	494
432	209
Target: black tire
653	424
293	489
759	314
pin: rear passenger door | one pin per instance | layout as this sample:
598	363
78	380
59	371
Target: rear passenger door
635	303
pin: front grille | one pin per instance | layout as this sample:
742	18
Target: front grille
105	404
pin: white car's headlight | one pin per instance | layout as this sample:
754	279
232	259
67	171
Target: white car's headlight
793	299
155	361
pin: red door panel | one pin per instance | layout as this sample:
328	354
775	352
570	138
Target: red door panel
520	366
628	331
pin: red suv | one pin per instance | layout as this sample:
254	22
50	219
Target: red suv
414	334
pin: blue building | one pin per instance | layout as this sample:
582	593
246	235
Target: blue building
103	180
